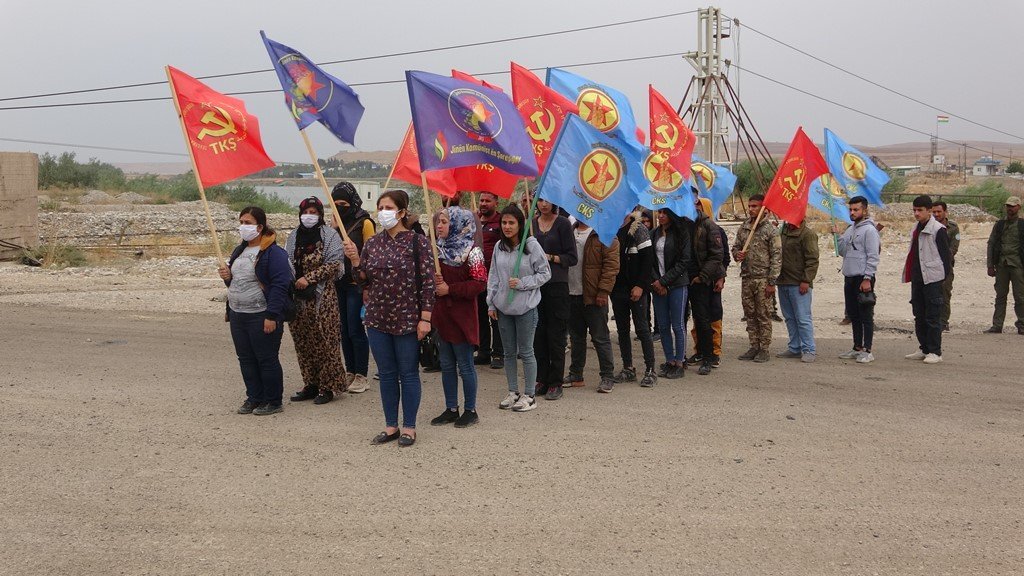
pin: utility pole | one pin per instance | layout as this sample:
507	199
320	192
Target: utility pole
710	129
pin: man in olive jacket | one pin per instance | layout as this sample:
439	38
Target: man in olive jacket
796	284
1006	265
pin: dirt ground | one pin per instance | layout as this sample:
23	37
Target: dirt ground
123	454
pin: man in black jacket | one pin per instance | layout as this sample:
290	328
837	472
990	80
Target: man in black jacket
706	272
631	295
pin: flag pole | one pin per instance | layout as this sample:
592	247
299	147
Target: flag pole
430	221
757	221
323	184
832	217
526	234
395	163
195	170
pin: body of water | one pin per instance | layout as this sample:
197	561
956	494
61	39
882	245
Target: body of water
295	194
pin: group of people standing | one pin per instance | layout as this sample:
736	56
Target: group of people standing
494	295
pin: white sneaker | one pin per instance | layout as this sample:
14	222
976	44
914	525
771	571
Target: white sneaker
865	358
851	355
915	356
358	384
525	404
509	400
932	359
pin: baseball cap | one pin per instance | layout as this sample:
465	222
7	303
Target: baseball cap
1013	201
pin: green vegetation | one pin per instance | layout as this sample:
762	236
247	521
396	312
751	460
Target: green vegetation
896	185
332	167
747	181
1015	167
64	172
995	195
57	255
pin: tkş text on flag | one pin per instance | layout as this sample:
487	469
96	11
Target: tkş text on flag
787	194
592	176
460	123
223	138
313	95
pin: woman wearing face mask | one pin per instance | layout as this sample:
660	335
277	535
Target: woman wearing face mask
463	277
396	271
258	277
316	254
354	346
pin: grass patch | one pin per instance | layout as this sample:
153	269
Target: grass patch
995	195
57	255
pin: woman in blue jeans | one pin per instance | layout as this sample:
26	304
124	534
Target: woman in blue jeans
258	276
395	269
463	277
512	299
671	258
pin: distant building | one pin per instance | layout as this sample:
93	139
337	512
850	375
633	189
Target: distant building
904	170
986	166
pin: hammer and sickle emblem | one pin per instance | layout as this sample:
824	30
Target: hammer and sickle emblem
669	134
543	132
795	181
227	125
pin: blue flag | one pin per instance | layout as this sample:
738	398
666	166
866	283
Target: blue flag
460	123
715	182
604	107
594	177
853	171
827	196
313	95
665	187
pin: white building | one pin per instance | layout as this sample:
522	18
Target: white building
986	166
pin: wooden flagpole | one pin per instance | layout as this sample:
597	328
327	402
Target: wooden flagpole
323	184
757	221
195	170
430	222
526	234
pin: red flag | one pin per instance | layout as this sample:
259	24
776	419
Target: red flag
407	169
543	111
670	137
224	138
803	164
484	177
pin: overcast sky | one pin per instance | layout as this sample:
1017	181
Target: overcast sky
962	56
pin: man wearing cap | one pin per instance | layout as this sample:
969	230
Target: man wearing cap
941	213
1006	265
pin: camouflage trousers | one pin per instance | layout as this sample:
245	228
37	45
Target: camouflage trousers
947	294
757	307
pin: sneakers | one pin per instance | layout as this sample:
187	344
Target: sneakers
716	361
695	359
790	354
607	384
994	330
705	368
267	409
750	354
853	354
663	369
919	355
247	407
675	372
865	358
446	417
649	379
554	393
307	393
626	375
808	358
497	362
526	403
468	418
762	356
573	381
932	359
357	385
509	400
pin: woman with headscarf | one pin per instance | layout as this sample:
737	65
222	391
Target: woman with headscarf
354	345
463	277
316	254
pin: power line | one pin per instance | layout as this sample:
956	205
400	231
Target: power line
377	83
863	113
883	87
66	145
365	58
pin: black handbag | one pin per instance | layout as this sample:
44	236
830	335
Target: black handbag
430	357
866	298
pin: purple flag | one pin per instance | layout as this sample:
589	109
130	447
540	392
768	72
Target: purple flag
460	123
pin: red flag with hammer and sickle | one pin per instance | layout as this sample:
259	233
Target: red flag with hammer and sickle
670	137
787	194
224	139
543	111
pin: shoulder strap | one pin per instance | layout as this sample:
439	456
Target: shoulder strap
416	270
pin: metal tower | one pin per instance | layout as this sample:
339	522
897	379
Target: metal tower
710	127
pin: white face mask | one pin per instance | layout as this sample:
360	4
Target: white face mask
309	220
388	218
248	231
